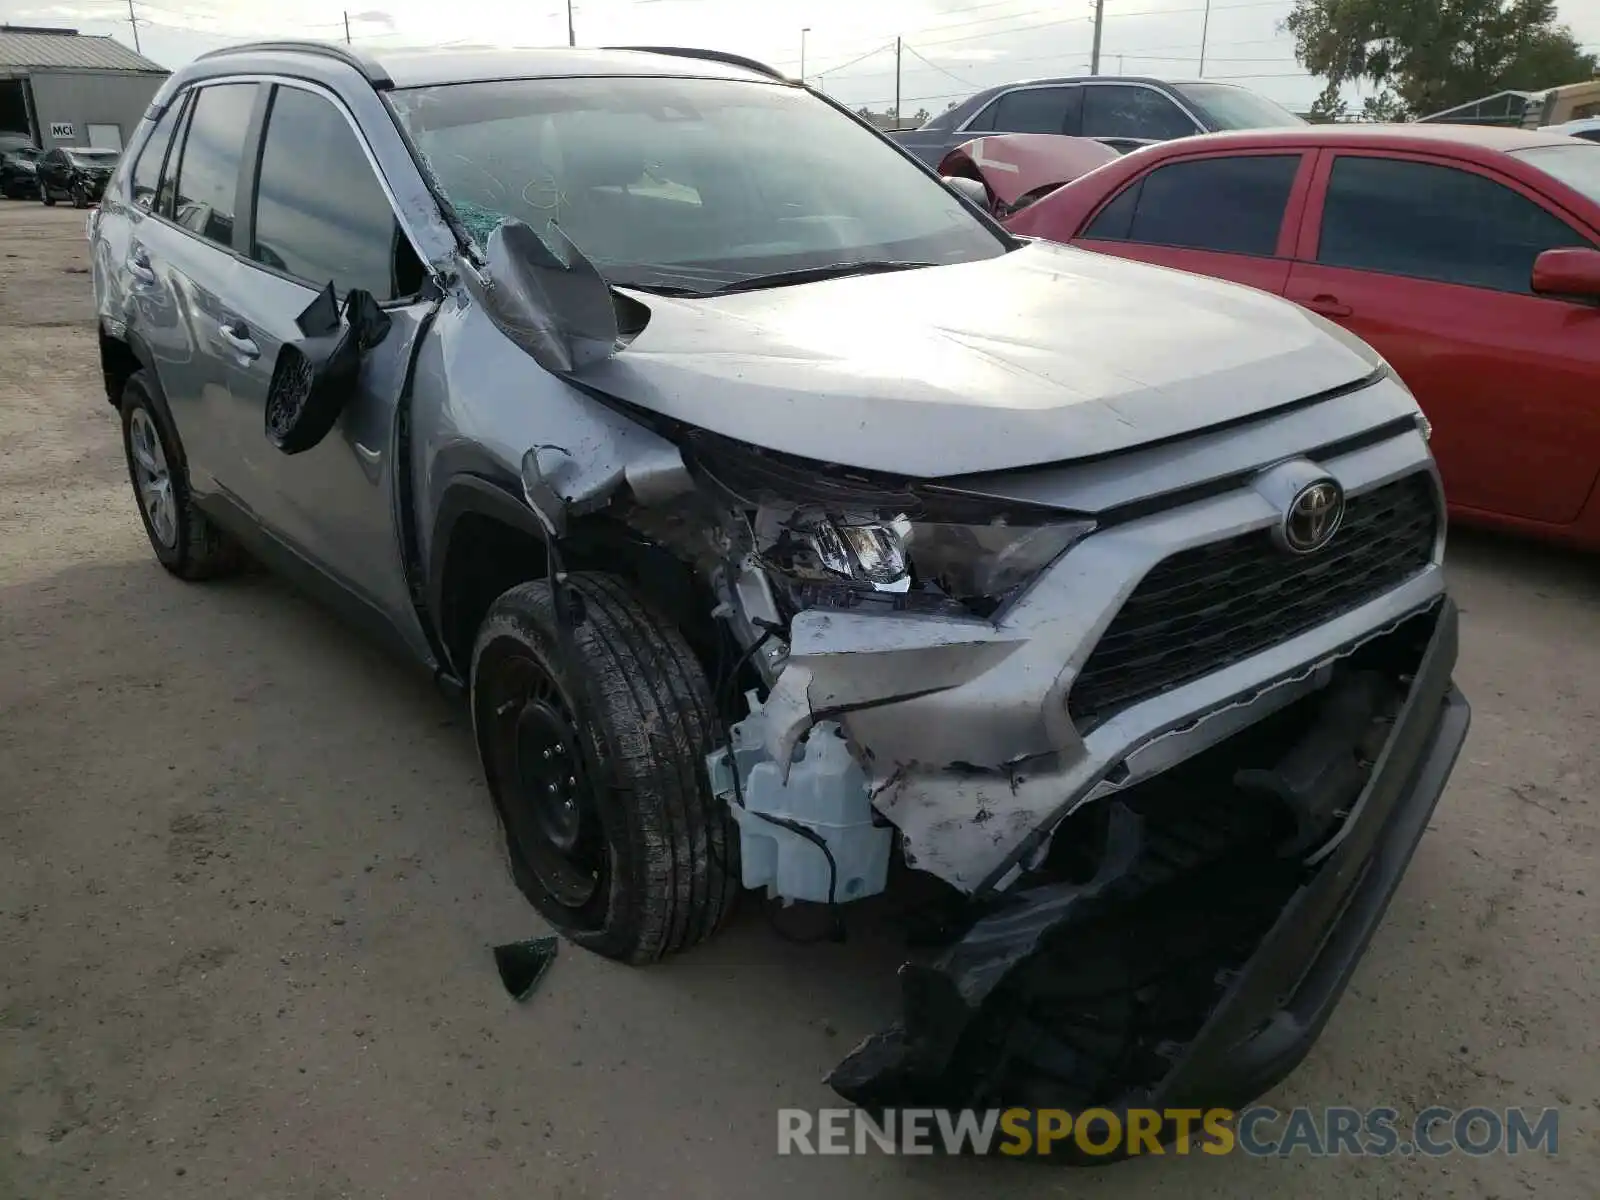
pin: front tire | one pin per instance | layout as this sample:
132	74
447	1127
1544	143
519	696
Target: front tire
44	194
593	746
80	196
185	542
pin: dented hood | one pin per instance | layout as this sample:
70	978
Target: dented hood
1040	355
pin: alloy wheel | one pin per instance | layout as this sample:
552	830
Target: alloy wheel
153	478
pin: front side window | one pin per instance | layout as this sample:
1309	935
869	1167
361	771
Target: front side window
1435	222
689	184
208	174
321	213
1119	111
147	168
1038	110
1231	205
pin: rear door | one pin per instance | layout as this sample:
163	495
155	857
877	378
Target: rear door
320	212
181	267
1431	260
1233	216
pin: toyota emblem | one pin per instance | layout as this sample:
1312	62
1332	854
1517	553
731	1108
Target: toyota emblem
1313	517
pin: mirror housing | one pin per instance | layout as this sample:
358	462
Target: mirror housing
970	190
1570	273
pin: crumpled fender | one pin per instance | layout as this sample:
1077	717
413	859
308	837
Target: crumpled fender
1015	165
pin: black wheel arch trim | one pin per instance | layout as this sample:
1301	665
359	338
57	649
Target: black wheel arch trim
470	494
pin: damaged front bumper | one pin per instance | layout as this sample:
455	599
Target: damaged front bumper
1043	1004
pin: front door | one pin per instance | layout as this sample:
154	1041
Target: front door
321	215
1431	263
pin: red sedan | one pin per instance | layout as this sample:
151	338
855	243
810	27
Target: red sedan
1466	256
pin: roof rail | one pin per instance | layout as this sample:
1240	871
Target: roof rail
721	56
376	75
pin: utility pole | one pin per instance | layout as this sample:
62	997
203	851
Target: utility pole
133	19
346	26
803	32
897	83
1205	29
1099	28
572	38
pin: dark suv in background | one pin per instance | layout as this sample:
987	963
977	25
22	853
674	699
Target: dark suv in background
76	173
1122	111
19	172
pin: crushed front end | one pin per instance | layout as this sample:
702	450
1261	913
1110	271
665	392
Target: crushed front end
1168	750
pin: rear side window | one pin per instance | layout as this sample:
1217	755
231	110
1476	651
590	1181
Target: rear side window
321	213
1037	110
208	176
1230	205
1116	110
147	170
1435	222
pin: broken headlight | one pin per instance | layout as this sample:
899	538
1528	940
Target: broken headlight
836	537
990	560
975	565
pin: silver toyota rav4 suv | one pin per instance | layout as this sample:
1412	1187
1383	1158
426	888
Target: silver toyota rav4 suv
788	525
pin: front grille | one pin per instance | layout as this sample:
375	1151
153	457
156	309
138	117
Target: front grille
1205	608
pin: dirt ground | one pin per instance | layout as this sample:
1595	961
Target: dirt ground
250	879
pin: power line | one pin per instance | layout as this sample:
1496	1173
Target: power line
948	25
854	61
940	69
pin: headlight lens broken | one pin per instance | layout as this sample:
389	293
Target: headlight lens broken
965	562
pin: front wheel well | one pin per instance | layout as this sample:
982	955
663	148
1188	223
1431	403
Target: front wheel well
487	556
118	362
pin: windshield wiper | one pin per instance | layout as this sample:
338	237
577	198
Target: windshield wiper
813	274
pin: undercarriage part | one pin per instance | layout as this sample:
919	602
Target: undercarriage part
813	837
1320	777
1084	985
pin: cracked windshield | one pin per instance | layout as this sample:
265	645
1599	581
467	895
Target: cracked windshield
685	184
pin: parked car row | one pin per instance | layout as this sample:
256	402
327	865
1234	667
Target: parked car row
1123	111
1468	256
75	174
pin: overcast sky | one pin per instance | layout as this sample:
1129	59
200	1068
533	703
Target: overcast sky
951	47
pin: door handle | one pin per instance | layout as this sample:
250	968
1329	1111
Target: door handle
1328	306
139	266
237	336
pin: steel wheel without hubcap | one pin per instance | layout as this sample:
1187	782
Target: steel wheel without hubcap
547	801
153	478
